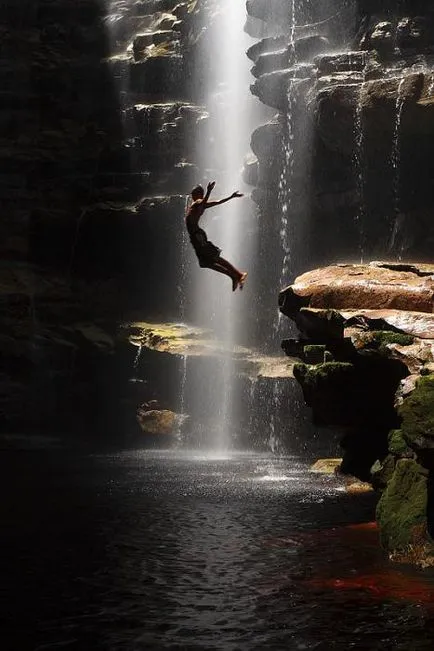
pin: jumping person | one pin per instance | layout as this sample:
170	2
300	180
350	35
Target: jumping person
208	253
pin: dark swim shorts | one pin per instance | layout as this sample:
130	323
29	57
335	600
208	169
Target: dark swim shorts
207	252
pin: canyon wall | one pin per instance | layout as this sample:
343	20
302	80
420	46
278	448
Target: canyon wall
354	94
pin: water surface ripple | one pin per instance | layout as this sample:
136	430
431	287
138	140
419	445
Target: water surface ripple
154	550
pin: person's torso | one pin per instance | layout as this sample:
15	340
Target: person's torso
192	217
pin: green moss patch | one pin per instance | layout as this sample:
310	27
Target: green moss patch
379	339
330	373
314	354
397	444
417	413
401	511
382	472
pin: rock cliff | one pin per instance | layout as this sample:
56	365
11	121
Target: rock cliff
367	345
343	173
348	150
97	109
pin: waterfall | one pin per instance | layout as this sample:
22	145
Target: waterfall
396	166
359	143
181	408
181	288
230	226
396	146
285	178
273	438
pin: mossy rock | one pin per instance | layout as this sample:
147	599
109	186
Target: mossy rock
397	444
320	325
379	340
330	373
417	413
314	354
332	391
401	511
382	472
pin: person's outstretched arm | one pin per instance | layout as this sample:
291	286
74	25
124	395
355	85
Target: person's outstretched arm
210	204
209	189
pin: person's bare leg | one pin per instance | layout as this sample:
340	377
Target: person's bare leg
215	266
224	267
238	277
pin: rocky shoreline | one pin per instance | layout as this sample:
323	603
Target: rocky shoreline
367	349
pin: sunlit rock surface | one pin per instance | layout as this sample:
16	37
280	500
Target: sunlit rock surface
160	422
188	341
385	285
326	466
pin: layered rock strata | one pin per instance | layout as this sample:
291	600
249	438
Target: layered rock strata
367	349
97	108
343	170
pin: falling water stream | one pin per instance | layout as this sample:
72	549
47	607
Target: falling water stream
396	146
222	157
285	178
396	167
359	137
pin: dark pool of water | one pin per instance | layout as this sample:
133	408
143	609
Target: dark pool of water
151	550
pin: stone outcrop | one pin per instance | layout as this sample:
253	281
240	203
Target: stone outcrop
171	361
369	371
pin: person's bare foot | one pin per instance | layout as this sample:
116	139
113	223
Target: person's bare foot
242	280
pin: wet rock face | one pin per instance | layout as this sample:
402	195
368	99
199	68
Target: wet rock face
367	122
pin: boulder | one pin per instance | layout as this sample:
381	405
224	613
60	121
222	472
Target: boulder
416	324
153	421
417	414
414	33
355	394
326	466
370	286
266	141
402	515
382	39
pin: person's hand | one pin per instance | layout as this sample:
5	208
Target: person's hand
210	186
236	194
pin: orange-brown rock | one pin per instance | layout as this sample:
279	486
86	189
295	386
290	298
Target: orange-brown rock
374	286
157	422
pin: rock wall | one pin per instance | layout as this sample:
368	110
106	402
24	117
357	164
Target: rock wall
356	79
99	104
344	173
